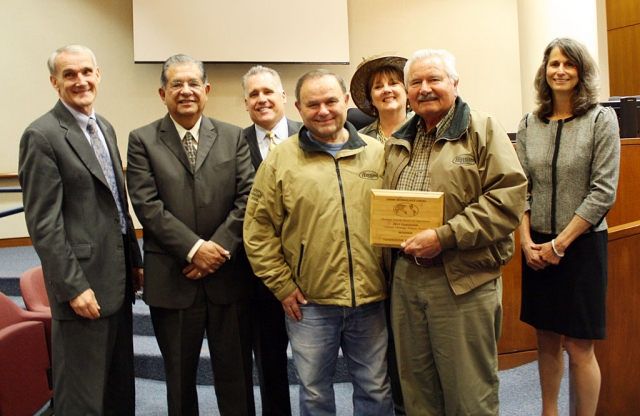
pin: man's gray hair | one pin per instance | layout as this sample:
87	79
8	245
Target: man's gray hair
256	70
319	73
74	49
445	56
181	59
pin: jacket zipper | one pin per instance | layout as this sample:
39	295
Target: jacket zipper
346	229
300	259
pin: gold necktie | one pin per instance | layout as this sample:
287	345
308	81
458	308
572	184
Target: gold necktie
272	140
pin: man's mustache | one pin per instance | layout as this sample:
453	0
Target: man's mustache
427	97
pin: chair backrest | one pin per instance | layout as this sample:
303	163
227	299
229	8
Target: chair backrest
33	290
24	360
359	119
9	312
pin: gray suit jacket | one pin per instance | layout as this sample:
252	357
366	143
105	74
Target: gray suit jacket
252	140
71	215
177	207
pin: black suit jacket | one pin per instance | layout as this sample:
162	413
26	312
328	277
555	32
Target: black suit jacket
177	207
71	214
252	140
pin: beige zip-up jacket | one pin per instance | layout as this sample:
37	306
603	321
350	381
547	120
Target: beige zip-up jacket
474	163
307	221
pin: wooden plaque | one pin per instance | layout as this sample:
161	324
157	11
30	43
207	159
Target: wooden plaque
398	215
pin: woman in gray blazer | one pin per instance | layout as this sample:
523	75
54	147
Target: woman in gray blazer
570	150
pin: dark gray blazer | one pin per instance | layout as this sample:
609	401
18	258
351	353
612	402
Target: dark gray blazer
252	140
71	215
177	207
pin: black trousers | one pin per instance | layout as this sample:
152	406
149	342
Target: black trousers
270	342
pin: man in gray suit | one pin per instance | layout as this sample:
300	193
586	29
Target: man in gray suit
76	212
189	177
264	99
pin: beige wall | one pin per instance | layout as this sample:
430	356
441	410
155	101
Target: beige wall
31	29
483	36
539	23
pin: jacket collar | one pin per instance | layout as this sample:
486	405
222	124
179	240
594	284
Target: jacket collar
373	127
169	135
78	141
354	142
458	126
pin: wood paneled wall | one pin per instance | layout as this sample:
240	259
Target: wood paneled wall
618	354
517	343
626	209
623	32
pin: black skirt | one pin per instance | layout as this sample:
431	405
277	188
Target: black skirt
570	298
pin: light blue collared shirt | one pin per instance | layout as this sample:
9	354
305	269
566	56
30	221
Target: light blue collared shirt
82	120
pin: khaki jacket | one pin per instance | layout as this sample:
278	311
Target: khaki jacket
307	221
475	165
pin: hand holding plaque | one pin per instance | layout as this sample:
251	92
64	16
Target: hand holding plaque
397	215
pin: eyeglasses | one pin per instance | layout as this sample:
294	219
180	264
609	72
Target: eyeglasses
193	84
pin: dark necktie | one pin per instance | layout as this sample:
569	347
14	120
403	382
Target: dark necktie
191	150
107	169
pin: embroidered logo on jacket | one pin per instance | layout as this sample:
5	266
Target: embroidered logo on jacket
370	175
465	160
255	194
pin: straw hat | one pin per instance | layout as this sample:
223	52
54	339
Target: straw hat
358	87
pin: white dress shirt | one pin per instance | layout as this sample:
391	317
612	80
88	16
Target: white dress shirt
280	130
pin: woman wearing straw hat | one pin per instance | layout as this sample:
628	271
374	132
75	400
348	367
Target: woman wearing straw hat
377	88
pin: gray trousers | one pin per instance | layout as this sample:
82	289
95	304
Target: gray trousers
93	365
445	344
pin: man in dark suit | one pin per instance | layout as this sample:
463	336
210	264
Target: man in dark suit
189	177
264	99
76	211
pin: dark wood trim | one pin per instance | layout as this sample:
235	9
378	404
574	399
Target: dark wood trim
15	242
624	230
516	359
26	241
14	175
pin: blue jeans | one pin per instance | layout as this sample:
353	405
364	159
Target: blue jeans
361	332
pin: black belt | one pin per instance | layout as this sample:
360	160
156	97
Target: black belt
422	261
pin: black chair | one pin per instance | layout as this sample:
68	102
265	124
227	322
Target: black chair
359	119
